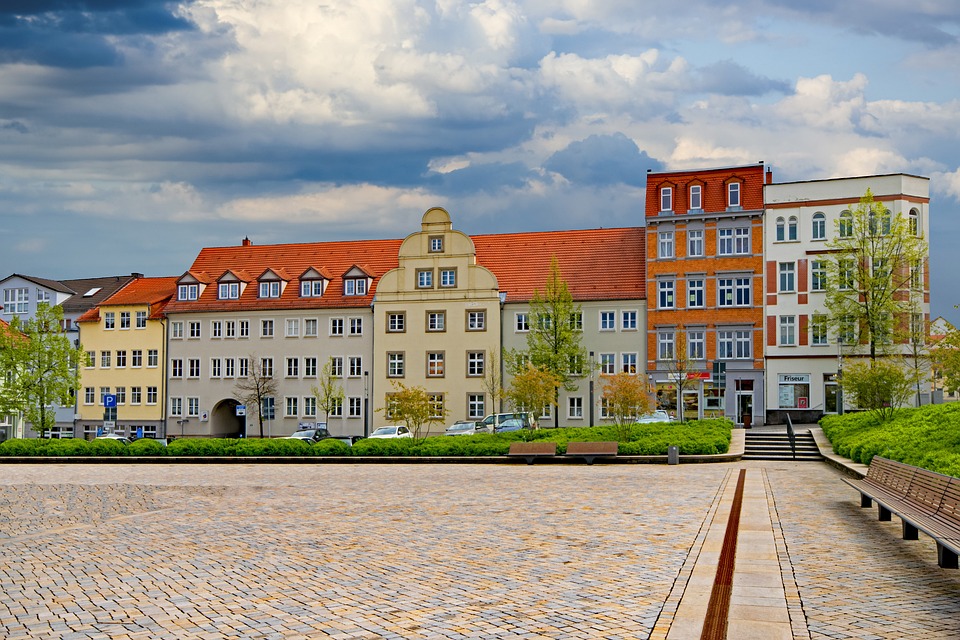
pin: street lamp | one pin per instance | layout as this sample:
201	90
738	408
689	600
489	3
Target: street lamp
181	423
591	365
366	404
840	376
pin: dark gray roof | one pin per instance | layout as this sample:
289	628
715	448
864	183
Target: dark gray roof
102	289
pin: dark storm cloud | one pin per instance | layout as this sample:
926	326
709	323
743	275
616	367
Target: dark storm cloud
74	34
489	177
731	79
603	160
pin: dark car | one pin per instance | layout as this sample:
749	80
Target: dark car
312	435
512	424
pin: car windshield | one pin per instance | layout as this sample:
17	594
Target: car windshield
460	427
303	434
383	431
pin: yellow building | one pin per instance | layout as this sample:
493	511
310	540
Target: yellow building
124	342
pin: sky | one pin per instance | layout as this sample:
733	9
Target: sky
133	133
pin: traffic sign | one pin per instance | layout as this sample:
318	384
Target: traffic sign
241	410
109	400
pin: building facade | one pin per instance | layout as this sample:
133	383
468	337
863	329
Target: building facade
704	251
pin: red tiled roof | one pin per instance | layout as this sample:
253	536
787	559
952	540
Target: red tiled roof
155	292
597	264
714	183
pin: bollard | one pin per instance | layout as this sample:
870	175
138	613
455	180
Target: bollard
673	454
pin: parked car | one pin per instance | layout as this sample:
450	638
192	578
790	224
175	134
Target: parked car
114	436
657	416
347	440
392	431
512	424
495	419
466	428
315	434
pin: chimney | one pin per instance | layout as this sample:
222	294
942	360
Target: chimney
246	242
769	179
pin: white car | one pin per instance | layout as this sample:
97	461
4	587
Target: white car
657	416
394	431
114	436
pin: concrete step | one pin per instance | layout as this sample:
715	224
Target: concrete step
776	446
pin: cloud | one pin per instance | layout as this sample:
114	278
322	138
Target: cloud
729	78
603	160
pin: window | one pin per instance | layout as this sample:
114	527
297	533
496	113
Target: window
733	292
734	345
695	293
881	269
665	342
270	289
136	358
666	199
522	323
243	367
608	321
356	366
104	391
354	407
725	292
89	395
16	300
436	321
310	328
914	222
395	365
695	243
847	330
293	327
788	334
336	408
91	358
792	225
291	406
696	200
845	225
424	278
781	230
266	367
818	275
628	363
176	330
476	409
188	292
309	367
356	326
733	194
607	364
193	367
793	390
228	290
336	326
742	238
628	321
725	242
216	329
436	244
135	394
124	319
787	277
109	320
845	279
104	359
818	330
121	393
176	407
819	231
194	329
696	345
311	288
435	364
293	367
153	358
310	406
475	363
665	291
575	407
576	321
216	367
666	244
121	358
229	367
396	322
918	329
448	278
244	328
336	367
916	275
476	320
266	328
151	395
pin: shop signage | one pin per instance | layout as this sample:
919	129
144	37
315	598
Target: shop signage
794	378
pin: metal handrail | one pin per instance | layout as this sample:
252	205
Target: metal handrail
792	437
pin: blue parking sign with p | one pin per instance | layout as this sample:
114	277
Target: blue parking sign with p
109	400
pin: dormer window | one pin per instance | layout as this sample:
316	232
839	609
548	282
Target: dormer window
733	194
436	244
666	198
188	291
228	291
270	289
311	288
355	287
696	197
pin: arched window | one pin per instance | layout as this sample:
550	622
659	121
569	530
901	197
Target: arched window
845	228
780	230
819	226
885	222
914	222
792	228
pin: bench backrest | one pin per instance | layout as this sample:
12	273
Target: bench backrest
950	503
539	448
891	475
592	448
930	491
927	489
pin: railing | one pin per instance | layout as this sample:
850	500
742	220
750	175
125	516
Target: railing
792	437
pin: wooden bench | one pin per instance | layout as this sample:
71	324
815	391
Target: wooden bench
530	451
923	500
591	450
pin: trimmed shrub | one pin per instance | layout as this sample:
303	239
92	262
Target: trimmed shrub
147	447
272	447
331	447
23	447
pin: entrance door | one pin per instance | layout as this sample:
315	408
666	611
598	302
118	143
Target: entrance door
744	404
830	397
691	404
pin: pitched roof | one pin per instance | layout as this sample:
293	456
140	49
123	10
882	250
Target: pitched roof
53	285
597	264
99	289
155	292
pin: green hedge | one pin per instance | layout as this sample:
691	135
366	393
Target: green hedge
927	437
695	437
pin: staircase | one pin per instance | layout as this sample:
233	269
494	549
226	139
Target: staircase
766	443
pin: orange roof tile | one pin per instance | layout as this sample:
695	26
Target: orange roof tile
155	292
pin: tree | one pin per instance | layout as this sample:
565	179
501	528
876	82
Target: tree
414	407
493	382
881	386
626	396
945	357
556	331
875	258
328	392
39	367
532	389
254	390
678	365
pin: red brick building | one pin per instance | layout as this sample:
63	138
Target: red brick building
704	247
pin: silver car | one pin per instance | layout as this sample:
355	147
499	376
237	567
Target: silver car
466	428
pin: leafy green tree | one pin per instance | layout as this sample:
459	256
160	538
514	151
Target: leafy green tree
415	408
554	342
881	386
626	396
39	367
874	260
532	389
253	390
945	356
329	392
678	365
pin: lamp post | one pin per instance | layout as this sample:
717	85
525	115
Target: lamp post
591	365
366	404
840	376
181	423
